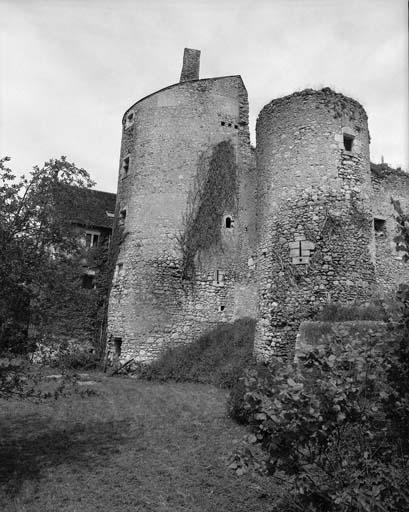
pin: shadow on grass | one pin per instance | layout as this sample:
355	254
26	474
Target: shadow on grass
81	445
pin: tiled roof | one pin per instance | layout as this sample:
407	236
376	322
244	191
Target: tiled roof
89	207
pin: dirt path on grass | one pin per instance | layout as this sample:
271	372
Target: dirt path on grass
135	446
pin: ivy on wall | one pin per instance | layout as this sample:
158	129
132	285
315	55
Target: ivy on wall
214	192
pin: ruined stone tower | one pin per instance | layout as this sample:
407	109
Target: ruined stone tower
207	233
184	206
314	214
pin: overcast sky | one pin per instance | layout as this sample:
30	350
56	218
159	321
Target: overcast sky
70	68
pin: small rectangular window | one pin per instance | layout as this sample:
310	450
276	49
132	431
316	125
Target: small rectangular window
348	142
88	281
379	226
91	239
117	346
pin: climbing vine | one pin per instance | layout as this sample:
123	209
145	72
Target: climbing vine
214	192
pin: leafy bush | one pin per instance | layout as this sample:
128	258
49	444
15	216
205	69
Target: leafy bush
218	357
77	361
334	425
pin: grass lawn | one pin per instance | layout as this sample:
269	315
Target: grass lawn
139	446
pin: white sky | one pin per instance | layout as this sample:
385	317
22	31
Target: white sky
70	68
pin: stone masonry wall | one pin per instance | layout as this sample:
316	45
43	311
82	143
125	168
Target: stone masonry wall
314	221
168	140
387	184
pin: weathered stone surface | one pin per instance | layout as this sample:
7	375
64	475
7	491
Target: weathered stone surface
173	131
328	210
298	232
191	65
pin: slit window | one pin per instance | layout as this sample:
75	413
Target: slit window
348	142
379	226
229	223
222	123
122	217
125	166
219	277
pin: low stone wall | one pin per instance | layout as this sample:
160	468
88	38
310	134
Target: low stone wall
315	333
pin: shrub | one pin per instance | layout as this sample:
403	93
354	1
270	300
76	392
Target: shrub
218	357
330	424
77	361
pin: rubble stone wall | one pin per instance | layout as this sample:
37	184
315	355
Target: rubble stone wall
168	140
388	184
315	237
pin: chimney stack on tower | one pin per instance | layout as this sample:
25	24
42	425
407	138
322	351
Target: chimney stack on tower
191	65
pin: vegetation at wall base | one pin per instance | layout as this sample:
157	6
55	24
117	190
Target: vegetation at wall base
218	357
334	423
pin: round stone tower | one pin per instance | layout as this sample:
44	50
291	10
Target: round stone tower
315	235
165	289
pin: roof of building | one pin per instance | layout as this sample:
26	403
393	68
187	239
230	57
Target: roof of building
92	208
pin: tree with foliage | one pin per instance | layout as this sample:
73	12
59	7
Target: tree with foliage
40	251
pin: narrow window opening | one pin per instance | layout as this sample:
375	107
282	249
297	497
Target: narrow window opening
221	308
236	127
117	346
88	282
229	125
379	226
219	277
125	166
348	142
229	223
222	123
122	217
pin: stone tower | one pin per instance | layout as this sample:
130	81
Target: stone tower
314	221
176	275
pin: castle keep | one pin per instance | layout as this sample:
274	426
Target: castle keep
207	230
